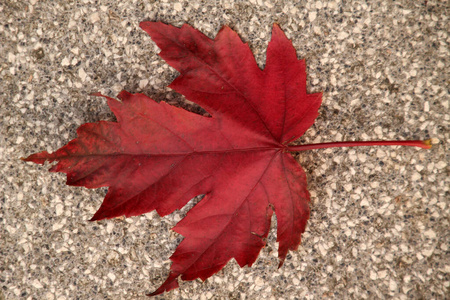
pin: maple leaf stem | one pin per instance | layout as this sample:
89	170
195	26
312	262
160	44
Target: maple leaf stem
417	143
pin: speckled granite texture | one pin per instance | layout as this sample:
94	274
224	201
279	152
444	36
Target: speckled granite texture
379	227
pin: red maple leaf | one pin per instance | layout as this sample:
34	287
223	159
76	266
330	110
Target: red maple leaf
158	157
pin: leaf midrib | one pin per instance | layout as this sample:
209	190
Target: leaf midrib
255	149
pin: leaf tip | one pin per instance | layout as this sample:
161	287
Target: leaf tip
97	94
145	24
280	264
276	29
170	284
39	158
99	215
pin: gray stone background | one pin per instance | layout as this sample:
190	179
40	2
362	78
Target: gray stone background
379	226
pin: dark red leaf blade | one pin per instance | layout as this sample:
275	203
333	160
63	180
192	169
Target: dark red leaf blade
158	157
222	74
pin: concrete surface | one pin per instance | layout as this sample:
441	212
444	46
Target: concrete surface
379	227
